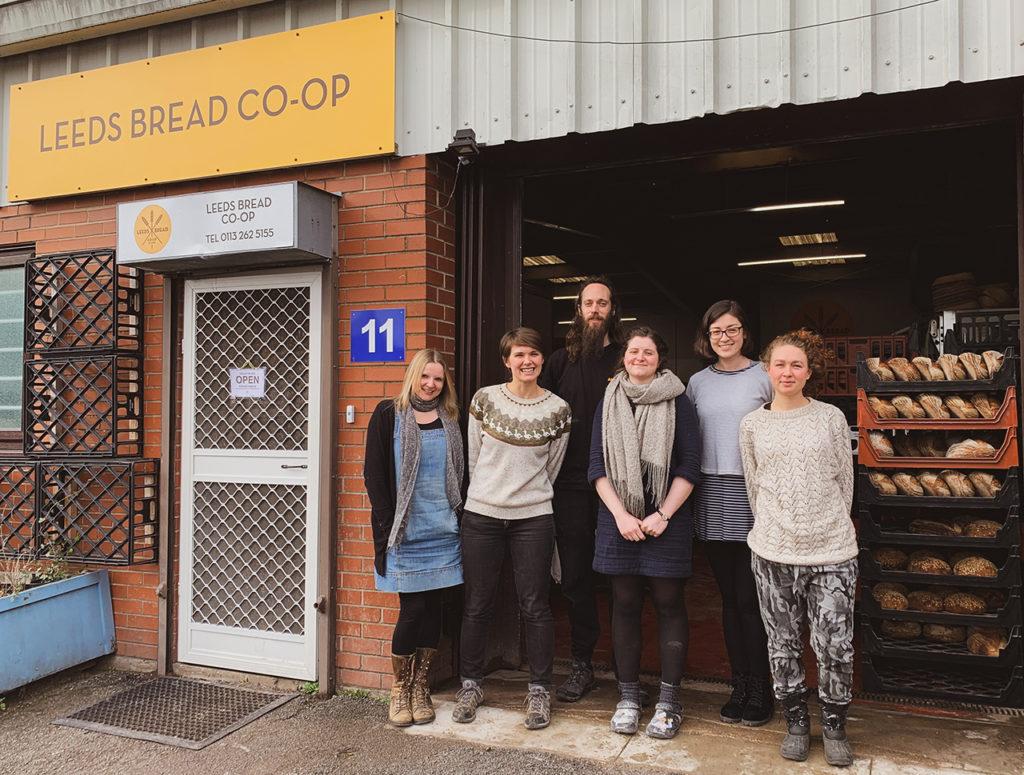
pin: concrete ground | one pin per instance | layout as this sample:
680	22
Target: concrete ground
349	734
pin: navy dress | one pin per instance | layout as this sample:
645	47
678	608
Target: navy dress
670	555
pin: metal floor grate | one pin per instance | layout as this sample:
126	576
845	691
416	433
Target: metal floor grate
176	711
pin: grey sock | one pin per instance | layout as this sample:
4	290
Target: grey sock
629	691
670	694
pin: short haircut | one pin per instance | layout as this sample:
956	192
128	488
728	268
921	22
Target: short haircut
702	342
520	337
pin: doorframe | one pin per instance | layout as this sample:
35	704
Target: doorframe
170	621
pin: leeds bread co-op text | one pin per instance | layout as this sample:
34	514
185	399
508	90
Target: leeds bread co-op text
179	116
238	210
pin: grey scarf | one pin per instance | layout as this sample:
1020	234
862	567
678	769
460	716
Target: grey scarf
409	439
638	446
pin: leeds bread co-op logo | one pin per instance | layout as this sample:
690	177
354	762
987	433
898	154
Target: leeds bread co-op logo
152	229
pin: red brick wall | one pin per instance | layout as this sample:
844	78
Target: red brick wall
397	247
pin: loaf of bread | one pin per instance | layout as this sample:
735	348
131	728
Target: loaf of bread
982	528
908	408
987	406
903	369
958	407
934	527
890	586
924	367
951	366
993	360
880	444
879	369
958	482
928	563
973	448
925	600
944	633
905	445
986	641
931	444
907	484
933	406
964	603
972	364
883	408
889	558
882	483
890	599
901	630
976	566
933	485
986	485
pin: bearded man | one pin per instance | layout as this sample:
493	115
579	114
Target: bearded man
579	374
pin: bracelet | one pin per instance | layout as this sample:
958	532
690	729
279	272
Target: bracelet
662	515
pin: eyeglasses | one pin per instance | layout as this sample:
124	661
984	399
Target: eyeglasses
717	333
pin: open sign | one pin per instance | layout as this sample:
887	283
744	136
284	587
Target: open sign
248	383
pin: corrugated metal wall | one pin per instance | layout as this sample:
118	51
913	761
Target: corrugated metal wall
513	72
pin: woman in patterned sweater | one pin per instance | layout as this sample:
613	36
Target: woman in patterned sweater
518	434
799	472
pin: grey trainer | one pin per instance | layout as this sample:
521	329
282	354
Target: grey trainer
665	722
626	719
467	700
797	742
538	707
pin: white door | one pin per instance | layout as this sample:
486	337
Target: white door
250	470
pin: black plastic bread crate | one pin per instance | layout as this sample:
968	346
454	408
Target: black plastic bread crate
1007	616
1009	495
957	683
1004	378
945	653
82	301
1008	575
876	531
89	405
987	329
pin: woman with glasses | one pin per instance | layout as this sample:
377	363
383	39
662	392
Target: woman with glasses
730	388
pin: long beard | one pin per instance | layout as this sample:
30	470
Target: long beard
592	339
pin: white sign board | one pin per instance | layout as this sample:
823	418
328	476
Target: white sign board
207	224
248	383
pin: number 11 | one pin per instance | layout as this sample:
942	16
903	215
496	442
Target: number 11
371	330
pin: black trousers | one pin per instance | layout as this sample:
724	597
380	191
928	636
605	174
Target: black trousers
745	638
531	542
575	523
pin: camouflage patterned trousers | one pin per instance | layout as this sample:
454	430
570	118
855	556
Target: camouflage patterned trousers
821	595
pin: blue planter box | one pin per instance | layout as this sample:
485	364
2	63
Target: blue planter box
53	627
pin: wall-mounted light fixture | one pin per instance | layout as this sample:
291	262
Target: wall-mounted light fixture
464	146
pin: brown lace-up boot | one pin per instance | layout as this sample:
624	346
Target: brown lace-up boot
422	707
400	705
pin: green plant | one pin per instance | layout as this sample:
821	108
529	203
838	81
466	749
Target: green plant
362	694
3	705
310	687
56	550
16	573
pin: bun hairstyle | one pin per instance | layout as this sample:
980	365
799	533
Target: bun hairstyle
659	344
811	343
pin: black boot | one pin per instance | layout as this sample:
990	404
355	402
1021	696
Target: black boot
760	702
797	741
732	711
833	734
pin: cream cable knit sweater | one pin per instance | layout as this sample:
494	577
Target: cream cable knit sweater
799	472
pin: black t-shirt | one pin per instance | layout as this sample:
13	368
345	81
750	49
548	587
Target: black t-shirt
581	385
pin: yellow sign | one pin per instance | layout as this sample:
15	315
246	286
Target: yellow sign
301	97
152	229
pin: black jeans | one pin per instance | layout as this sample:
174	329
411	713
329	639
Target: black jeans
575	523
531	542
745	638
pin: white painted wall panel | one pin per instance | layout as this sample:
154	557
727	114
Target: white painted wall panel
636	61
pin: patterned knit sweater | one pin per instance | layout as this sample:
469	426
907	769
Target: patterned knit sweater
516	447
799	471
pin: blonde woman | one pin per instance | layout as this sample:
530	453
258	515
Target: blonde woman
413	471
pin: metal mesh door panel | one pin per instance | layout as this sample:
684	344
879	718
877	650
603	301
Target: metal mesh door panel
261	327
249	565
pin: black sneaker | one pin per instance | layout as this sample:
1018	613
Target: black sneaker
732	711
760	705
580	681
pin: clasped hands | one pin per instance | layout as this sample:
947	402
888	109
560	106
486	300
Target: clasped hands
634	529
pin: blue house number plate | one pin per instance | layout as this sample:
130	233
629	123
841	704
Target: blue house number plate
378	335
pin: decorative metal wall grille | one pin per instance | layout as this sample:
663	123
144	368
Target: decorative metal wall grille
249	562
82	300
97	512
265	327
84	406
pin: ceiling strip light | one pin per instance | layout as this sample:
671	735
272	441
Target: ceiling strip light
797	205
802	259
563	298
